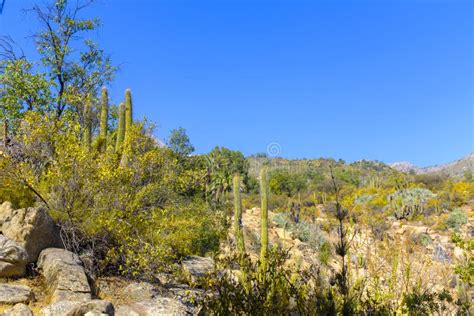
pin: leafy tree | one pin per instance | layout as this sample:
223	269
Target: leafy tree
283	182
21	90
77	67
179	142
222	165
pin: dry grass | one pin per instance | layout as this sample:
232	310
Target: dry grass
37	284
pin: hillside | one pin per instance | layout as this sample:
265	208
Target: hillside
456	168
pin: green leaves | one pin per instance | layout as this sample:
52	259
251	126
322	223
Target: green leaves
78	67
179	142
21	89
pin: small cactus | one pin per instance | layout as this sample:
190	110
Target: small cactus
238	228
121	127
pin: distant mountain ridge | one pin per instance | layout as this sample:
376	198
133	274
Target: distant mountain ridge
456	168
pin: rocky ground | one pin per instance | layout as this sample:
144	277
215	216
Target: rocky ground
38	277
431	264
60	286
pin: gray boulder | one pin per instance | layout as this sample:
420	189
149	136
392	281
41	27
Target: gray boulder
74	308
13	258
139	291
197	267
64	275
33	229
19	309
6	211
59	308
13	294
93	308
162	306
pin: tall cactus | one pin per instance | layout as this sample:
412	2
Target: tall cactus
104	118
128	126
128	111
238	228
121	127
264	219
87	135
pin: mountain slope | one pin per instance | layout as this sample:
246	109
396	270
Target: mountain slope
456	168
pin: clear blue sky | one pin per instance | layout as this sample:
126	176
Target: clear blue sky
386	80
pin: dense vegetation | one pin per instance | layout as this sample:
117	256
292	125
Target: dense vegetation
136	207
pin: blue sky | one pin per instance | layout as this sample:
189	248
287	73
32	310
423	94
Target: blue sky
385	80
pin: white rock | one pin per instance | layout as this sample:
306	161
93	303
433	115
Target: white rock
13	294
31	228
197	267
64	275
74	308
19	309
13	258
162	306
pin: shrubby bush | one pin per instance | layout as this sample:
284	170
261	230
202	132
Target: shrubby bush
237	287
456	219
279	290
302	230
409	203
144	207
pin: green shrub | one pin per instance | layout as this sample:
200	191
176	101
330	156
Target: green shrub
456	219
425	239
409	203
303	230
283	291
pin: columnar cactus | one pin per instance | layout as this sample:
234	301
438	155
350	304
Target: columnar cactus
104	118
87	135
121	127
128	111
128	126
264	218
238	228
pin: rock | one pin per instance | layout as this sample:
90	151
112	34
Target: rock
74	308
440	254
162	306
13	294
165	278
18	310
126	310
189	297
139	291
13	258
31	228
458	253
197	267
6	211
59	308
92	308
64	275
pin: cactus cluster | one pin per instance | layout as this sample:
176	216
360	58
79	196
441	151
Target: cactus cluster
409	203
125	121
